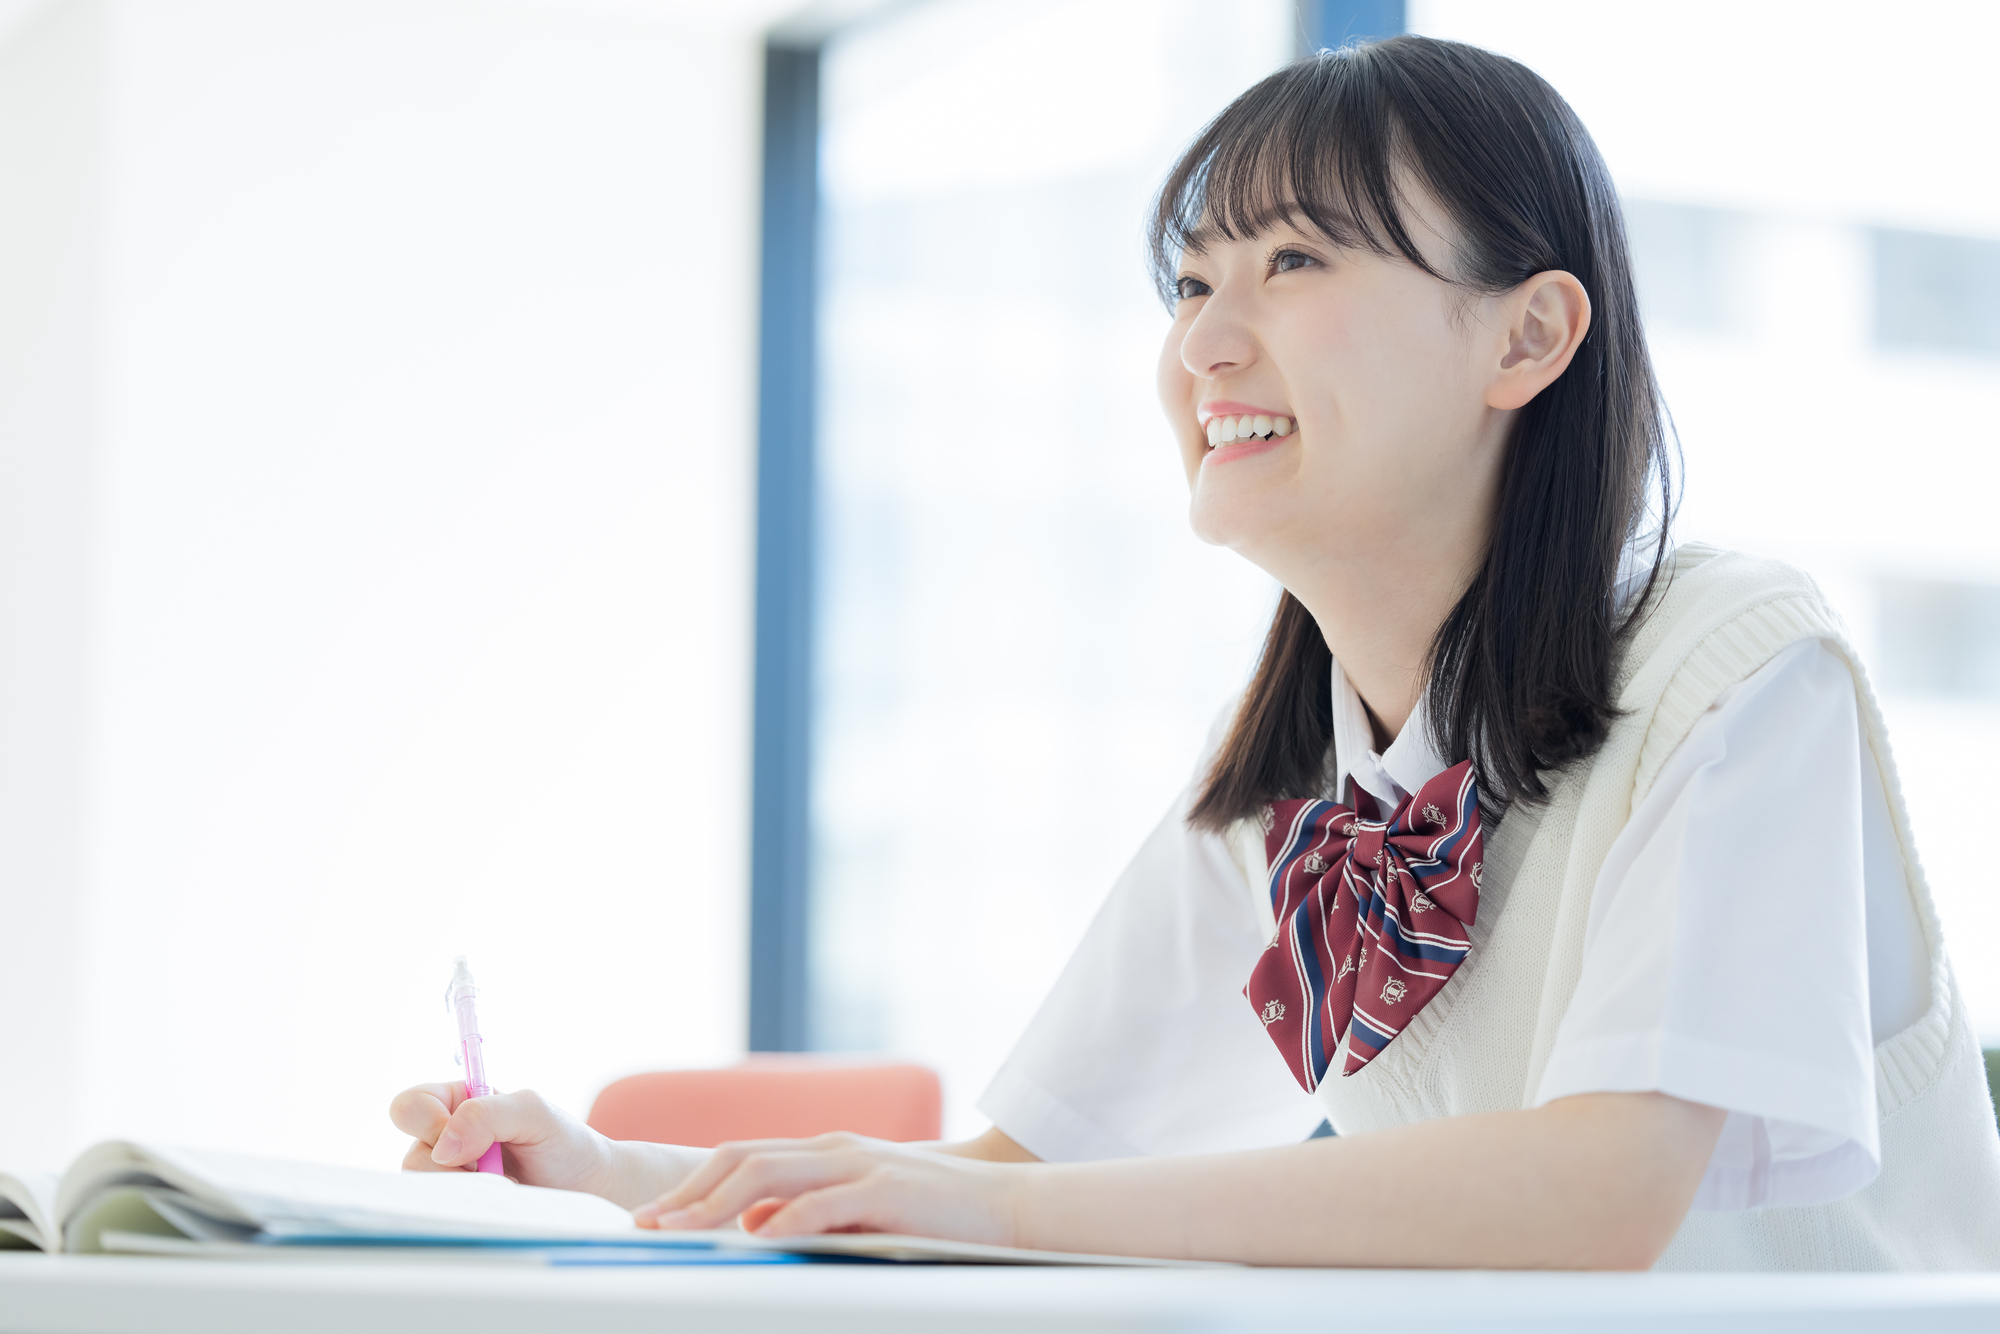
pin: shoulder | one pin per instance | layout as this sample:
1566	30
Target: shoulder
1721	612
1218	732
1700	585
1802	699
1713	620
1242	841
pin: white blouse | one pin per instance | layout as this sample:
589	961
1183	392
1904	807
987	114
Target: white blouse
1750	939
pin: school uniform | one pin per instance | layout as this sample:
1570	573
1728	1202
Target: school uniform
1723	903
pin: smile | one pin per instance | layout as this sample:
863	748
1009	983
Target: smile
1246	426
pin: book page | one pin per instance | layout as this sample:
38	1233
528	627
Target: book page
280	1196
222	1201
18	1234
28	1209
121	1208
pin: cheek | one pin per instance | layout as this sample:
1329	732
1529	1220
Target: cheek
1382	379
1171	377
1177	390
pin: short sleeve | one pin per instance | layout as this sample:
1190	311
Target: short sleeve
1145	1045
1726	957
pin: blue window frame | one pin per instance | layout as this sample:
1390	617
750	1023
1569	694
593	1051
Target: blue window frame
780	852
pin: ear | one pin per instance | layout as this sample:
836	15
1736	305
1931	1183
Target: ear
1545	319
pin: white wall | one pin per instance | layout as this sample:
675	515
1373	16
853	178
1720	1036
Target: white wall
377	556
50	147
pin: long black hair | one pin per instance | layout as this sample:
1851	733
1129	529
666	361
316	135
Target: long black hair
1520	670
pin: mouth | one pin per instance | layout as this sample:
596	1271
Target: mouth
1232	428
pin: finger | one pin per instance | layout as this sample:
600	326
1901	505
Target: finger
423	1110
418	1159
753	1217
851	1206
724	1159
479	1123
721	1161
762	1176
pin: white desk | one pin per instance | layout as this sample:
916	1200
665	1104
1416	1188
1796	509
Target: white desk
119	1295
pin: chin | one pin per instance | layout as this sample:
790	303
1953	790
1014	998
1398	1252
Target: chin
1221	525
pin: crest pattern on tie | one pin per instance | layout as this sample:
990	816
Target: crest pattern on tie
1372	918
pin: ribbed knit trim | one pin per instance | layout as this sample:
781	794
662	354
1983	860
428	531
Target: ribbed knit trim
1910	1061
1730	654
1780	612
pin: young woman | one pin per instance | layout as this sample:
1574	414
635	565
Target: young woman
1563	872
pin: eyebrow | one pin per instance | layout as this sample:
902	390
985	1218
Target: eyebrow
1343	229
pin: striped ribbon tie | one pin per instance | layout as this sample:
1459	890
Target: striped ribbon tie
1372	918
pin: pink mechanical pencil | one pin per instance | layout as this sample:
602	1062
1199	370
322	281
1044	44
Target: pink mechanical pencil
458	997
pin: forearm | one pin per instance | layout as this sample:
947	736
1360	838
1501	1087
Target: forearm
995	1146
1596	1182
634	1172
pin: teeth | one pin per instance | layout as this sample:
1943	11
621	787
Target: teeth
1223	430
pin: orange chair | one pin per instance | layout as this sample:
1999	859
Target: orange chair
772	1097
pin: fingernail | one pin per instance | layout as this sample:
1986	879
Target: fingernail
447	1147
672	1218
646	1213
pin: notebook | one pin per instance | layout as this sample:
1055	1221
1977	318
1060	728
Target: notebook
154	1199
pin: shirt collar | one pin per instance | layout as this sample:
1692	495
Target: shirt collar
1389	776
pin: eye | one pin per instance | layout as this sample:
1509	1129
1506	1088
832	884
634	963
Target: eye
1186	289
1284	261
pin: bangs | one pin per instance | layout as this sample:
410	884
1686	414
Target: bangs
1312	146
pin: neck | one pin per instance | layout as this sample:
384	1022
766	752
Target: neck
1378	615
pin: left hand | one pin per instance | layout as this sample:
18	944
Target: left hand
844	1183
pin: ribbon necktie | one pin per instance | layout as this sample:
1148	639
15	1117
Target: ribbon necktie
1372	918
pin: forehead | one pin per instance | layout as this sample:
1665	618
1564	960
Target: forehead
1410	220
1308	152
1222	227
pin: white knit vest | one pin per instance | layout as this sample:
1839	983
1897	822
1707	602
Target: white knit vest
1482	1042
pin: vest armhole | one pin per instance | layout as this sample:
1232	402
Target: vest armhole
1909	1061
1728	655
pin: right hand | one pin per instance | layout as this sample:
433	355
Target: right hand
540	1144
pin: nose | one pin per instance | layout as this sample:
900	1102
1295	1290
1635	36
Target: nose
1218	341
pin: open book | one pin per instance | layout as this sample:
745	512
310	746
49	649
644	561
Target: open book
151	1199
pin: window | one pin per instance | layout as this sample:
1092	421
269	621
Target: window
1937	293
1687	261
1021	645
1938	638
